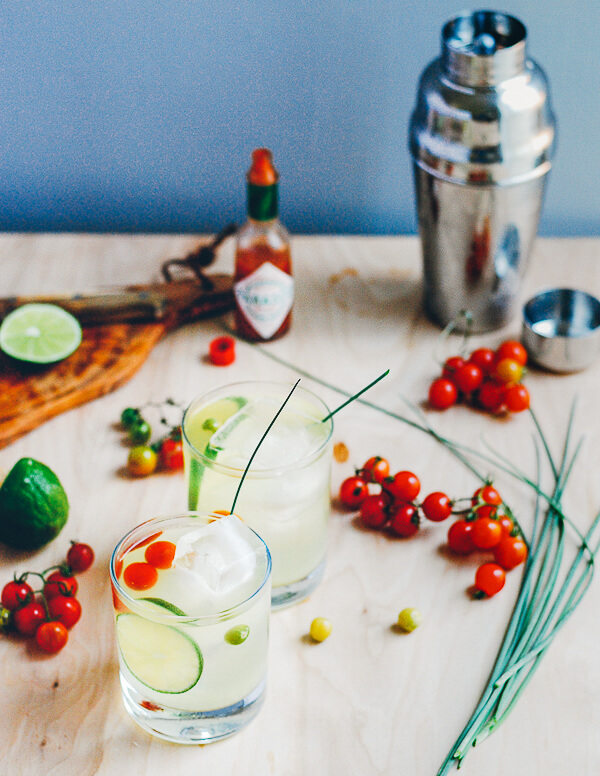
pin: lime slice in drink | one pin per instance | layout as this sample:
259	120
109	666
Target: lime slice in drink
162	604
159	656
39	333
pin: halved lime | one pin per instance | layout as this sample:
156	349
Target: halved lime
159	656
39	333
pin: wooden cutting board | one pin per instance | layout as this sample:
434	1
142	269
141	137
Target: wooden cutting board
108	356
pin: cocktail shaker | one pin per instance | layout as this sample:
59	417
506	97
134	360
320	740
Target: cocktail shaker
482	137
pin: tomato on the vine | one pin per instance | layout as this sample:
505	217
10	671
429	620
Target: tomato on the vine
160	554
58	583
517	398
52	637
375	469
65	610
510	552
79	557
508	371
16	594
460	540
403	486
484	358
171	454
486	533
507	524
491	394
437	507
490	578
468	377
353	491
442	393
452	365
373	511
404	521
28	618
513	350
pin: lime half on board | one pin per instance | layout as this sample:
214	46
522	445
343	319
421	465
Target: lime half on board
40	333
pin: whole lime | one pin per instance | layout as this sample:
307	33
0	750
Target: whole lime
33	505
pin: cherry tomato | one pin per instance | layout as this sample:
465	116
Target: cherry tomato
80	557
160	554
510	552
65	610
507	524
404	521
491	394
437	507
442	393
140	576
129	416
171	454
403	486
373	512
15	594
486	533
490	578
513	350
460	540
141	461
451	366
353	491
484	358
58	583
517	398
28	618
508	371
375	469
468	377
52	637
140	432
222	351
487	495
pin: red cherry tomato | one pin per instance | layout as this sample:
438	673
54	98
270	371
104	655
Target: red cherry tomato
451	366
510	552
140	576
80	557
58	583
491	395
468	377
29	618
517	398
171	454
484	358
52	637
442	393
506	523
375	469
353	491
16	594
65	610
403	486
488	495
513	350
490	578
437	507
404	521
486	533
160	554
460	540
222	351
373	512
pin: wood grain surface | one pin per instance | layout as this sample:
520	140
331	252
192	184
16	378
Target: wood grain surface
369	700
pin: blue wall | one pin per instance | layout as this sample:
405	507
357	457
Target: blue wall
140	115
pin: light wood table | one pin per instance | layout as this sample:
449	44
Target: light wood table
369	700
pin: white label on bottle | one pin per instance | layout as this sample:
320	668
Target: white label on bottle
265	297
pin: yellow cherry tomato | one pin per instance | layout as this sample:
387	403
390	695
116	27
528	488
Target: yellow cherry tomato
141	461
409	619
320	628
509	371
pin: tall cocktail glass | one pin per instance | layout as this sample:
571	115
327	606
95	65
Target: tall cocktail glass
285	497
192	597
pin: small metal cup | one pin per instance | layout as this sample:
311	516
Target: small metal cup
561	329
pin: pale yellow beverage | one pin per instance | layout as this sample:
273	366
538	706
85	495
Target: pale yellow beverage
285	497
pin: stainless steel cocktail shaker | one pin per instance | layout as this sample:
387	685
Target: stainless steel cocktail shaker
481	137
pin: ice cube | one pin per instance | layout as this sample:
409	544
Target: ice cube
217	554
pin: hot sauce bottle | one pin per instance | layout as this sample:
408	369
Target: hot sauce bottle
263	283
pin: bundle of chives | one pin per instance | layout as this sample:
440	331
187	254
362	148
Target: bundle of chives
549	592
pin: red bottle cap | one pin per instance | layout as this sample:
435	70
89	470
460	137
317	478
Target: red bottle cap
262	172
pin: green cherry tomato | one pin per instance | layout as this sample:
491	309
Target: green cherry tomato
140	432
210	424
129	416
237	635
141	461
409	619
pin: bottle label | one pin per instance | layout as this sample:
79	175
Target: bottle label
265	297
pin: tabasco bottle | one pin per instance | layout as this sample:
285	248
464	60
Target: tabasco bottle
263	283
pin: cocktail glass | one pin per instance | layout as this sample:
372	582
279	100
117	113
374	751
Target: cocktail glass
285	496
192	595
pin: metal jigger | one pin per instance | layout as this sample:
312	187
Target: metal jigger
481	137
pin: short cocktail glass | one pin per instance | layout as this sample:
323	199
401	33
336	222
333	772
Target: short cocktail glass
285	497
192	597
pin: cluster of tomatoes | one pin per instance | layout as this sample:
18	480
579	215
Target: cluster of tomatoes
47	613
145	458
485	524
488	379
